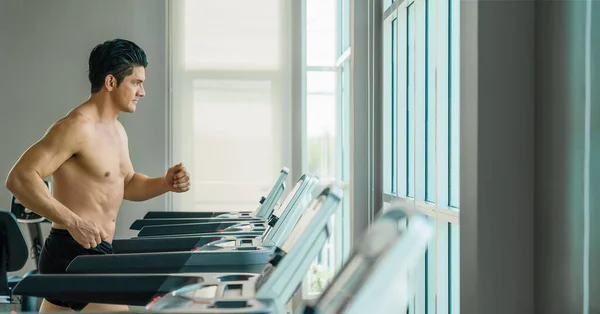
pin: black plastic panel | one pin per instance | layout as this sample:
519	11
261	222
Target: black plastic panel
140	223
114	289
168	244
165	214
184	228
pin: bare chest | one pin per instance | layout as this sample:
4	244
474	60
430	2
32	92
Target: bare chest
105	157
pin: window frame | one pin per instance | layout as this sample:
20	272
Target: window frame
435	281
341	221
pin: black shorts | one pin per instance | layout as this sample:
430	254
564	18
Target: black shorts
57	253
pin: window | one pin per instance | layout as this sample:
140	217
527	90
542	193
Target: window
327	121
389	98
228	100
213	42
421	134
321	122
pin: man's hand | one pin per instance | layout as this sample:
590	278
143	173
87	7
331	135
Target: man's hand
87	233
178	179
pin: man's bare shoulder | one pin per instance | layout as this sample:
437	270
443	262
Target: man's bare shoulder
75	121
75	126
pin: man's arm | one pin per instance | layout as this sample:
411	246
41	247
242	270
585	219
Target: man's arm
25	180
139	187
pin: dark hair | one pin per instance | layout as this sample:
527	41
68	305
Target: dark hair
116	57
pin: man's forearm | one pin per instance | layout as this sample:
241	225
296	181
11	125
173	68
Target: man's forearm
142	188
31	191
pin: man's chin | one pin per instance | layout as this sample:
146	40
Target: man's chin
130	108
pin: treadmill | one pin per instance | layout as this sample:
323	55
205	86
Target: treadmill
185	226
266	205
228	254
231	290
377	270
374	279
289	213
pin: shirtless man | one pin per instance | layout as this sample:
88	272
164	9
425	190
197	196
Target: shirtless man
86	153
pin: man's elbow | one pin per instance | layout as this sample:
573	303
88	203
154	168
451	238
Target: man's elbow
11	181
15	179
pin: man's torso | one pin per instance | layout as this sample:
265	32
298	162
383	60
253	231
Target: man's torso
91	182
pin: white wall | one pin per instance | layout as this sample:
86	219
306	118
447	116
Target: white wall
43	60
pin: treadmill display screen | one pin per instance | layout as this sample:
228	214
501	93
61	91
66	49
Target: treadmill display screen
302	224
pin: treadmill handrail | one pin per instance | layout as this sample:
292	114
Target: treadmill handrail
268	206
291	269
291	214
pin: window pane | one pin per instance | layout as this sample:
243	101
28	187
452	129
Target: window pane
230	119
320	128
249	38
320	82
389	87
430	102
453	88
345	25
454	298
386	4
402	103
419	118
431	279
410	106
320	32
442	106
394	106
442	272
345	158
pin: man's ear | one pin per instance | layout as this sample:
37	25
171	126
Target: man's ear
110	82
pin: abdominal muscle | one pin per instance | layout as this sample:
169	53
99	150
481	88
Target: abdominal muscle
90	199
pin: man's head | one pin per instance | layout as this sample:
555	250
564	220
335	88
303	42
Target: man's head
118	67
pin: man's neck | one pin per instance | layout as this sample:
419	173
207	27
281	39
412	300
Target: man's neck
105	107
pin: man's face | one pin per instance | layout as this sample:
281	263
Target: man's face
127	94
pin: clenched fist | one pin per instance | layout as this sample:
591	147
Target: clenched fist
178	179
